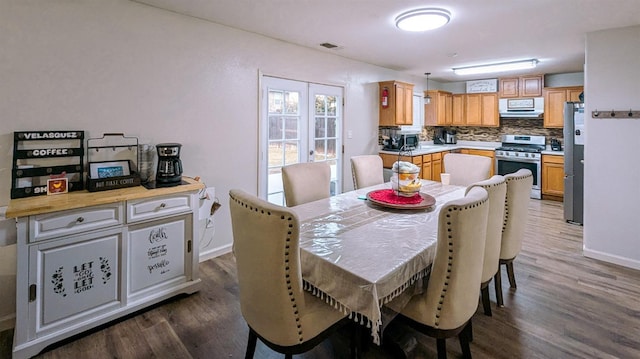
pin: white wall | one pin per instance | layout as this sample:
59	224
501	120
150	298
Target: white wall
612	164
118	66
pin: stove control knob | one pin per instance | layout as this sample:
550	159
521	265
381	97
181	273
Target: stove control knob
526	155
517	154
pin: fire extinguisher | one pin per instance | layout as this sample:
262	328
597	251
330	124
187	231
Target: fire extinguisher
385	98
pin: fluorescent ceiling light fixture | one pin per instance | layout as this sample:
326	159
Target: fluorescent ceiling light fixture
423	19
505	66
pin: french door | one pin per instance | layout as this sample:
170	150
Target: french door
299	122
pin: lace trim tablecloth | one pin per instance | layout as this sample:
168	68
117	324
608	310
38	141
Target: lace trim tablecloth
359	257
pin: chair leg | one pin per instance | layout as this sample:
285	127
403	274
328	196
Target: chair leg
442	348
288	356
464	337
486	303
251	344
511	274
469	331
497	282
355	341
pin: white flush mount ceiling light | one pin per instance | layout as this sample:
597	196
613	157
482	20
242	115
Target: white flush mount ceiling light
423	19
505	66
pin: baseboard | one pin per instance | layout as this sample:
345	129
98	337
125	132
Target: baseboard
215	252
7	322
610	258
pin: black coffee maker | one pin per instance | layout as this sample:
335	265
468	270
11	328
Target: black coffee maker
169	166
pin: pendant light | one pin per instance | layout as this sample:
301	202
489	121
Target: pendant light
427	98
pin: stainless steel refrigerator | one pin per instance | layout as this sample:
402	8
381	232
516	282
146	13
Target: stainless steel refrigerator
574	162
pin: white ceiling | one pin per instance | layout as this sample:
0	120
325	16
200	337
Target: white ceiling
480	31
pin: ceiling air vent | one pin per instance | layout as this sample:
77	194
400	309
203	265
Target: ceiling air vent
328	45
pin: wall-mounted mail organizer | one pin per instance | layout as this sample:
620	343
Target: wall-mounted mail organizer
42	155
113	162
615	114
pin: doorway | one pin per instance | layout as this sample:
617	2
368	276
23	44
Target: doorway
299	122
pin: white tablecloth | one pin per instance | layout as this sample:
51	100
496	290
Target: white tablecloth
359	256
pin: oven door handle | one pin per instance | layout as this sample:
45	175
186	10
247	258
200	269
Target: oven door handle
519	159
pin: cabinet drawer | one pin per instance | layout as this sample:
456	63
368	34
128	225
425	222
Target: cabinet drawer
553	159
64	223
151	208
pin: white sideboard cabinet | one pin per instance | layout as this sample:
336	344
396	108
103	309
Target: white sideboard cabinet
85	259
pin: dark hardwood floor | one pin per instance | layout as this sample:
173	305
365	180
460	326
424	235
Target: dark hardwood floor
565	306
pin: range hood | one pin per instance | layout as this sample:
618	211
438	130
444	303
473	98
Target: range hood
521	107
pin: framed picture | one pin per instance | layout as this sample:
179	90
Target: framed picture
109	169
57	185
477	86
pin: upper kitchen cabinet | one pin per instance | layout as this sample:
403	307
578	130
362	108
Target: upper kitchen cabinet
554	99
439	111
482	109
523	86
458	110
396	103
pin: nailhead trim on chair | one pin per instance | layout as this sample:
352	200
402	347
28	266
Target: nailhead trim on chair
450	260
506	203
292	298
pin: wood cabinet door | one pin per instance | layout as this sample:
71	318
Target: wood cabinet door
473	105
573	94
508	87
436	166
531	86
426	167
458	112
490	112
553	175
554	100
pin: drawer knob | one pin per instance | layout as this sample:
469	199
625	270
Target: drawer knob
162	205
80	220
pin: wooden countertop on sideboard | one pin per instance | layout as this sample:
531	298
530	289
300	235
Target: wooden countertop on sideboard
29	206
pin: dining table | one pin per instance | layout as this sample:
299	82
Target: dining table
368	259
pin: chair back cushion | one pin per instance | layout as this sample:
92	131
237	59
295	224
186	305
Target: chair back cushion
515	212
367	171
467	169
451	297
496	186
306	182
265	245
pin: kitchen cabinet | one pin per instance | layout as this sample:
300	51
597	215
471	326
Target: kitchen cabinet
427	167
554	99
399	100
553	177
436	165
482	109
458	110
84	259
438	112
486	153
523	86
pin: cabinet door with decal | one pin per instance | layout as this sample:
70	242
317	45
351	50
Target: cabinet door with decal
74	278
157	255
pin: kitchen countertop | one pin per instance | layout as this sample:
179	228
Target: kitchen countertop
428	147
44	204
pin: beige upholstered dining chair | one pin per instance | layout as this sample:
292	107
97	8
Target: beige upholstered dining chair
367	171
515	218
285	317
445	308
306	182
496	186
467	169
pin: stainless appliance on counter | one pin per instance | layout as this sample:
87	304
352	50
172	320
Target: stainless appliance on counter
396	140
521	151
573	162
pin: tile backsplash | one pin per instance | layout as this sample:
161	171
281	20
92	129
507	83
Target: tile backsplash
494	134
